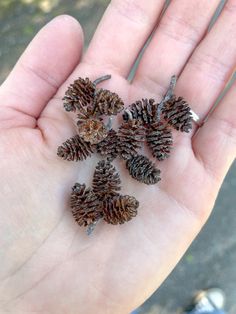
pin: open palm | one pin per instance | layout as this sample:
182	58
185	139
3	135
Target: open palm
48	263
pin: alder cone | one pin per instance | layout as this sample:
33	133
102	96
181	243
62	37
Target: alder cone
143	170
92	130
119	209
79	95
178	114
84	113
106	180
75	149
160	141
108	147
107	103
144	110
131	136
86	208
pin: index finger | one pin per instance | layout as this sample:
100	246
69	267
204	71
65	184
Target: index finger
121	34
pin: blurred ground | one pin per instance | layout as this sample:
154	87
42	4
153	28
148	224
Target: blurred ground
211	260
21	19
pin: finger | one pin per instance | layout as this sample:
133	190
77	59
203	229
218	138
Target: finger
211	65
43	67
181	28
121	34
215	143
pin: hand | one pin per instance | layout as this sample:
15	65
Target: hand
48	263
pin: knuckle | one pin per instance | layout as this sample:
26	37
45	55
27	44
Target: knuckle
212	66
131	10
180	29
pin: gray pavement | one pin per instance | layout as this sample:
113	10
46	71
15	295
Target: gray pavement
211	260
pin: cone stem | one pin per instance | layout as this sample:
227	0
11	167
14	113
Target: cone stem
109	124
101	79
167	96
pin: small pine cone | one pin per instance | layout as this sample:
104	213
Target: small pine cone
178	114
160	141
119	209
131	135
86	208
85	113
106	180
79	94
143	170
107	103
108	147
144	110
92	130
75	149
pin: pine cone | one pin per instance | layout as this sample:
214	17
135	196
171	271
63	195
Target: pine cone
92	130
131	135
144	110
178	114
119	209
86	208
75	149
106	180
107	103
143	170
79	94
85	113
108	147
160	141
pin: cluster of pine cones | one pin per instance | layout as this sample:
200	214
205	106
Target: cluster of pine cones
143	121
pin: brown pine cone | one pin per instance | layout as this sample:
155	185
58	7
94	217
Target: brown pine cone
107	103
131	135
92	130
119	209
108	147
79	94
159	139
85	113
75	149
106	180
143	170
178	114
144	110
86	208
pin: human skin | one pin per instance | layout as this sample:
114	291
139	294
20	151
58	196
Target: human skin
48	263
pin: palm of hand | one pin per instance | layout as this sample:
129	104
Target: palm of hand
46	256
